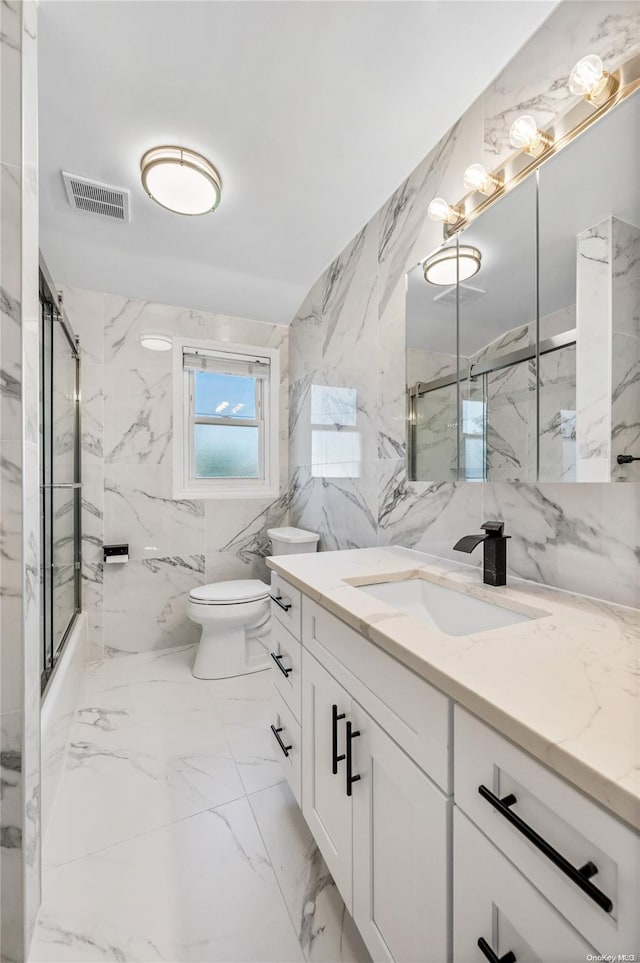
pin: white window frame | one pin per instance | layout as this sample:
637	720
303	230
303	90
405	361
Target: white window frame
185	485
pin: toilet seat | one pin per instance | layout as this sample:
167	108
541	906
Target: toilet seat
235	592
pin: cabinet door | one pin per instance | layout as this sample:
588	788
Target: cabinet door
495	903
401	823
325	804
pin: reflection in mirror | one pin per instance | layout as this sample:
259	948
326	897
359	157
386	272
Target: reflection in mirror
486	328
497	343
335	439
590	281
431	320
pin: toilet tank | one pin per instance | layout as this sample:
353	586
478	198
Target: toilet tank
292	541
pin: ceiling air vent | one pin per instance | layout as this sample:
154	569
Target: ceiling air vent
93	197
467	292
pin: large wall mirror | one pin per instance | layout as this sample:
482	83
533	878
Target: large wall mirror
523	332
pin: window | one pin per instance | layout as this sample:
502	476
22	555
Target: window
226	421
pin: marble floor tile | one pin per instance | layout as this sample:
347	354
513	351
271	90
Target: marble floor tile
154	850
131	689
122	782
325	929
201	889
255	752
245	709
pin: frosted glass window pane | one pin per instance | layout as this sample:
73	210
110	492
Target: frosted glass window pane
335	454
333	406
225	396
226	451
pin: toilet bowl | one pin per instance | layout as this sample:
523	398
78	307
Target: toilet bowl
235	619
236	616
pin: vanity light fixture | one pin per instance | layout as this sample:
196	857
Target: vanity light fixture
441	268
440	210
156	342
525	135
477	178
590	80
180	180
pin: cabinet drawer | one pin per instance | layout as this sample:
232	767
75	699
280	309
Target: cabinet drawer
286	666
492	901
415	714
288	736
285	604
564	819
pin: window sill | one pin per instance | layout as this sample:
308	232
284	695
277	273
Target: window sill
237	492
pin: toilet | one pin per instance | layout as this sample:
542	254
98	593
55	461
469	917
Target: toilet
236	616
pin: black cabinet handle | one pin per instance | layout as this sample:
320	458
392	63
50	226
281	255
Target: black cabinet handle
350	777
285	606
335	758
493	957
581	877
276	732
276	659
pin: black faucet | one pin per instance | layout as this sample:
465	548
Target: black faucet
495	551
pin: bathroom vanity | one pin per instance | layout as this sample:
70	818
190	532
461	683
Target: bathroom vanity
474	793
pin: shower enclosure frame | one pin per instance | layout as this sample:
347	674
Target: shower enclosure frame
480	370
52	316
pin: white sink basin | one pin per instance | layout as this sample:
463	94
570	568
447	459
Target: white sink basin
453	613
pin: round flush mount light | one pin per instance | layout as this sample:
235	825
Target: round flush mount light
441	267
156	342
180	180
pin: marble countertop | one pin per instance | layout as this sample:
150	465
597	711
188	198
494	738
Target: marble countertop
564	686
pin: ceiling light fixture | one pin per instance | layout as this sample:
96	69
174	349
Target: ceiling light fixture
477	178
441	267
156	342
180	180
590	80
440	210
525	135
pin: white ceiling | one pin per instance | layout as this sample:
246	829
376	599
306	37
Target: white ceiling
313	112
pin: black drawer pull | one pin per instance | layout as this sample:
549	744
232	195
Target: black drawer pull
276	732
285	606
335	758
493	957
276	659
350	777
581	877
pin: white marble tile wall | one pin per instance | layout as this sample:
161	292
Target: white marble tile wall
582	537
625	349
127	476
536	80
19	483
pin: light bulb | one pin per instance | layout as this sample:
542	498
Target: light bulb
476	178
524	135
439	210
590	80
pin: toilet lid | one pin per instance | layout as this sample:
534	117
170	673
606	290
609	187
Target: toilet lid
226	593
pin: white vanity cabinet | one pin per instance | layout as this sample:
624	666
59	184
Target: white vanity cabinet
495	904
381	823
410	799
325	804
577	858
401	830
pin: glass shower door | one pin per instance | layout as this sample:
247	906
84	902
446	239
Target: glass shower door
60	474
